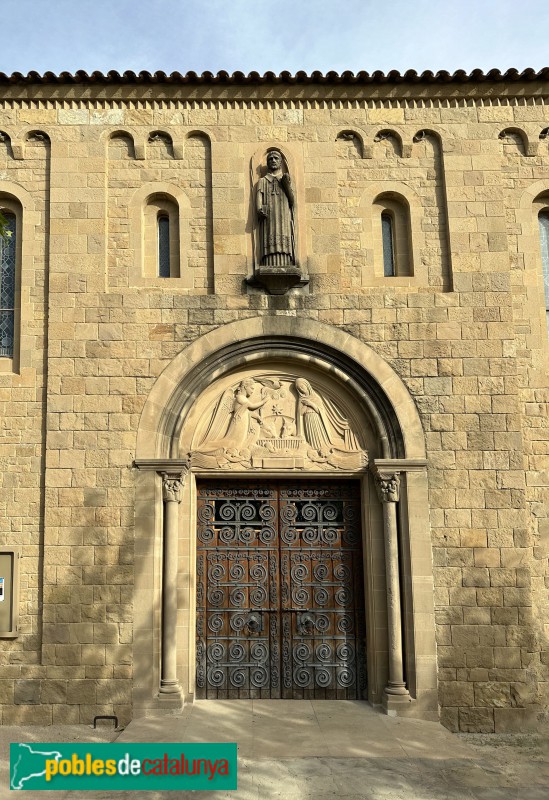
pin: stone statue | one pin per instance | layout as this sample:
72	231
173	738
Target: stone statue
275	211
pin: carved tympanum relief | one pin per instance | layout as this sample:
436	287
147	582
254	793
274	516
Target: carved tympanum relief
278	422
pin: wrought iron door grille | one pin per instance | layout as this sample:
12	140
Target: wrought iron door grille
280	608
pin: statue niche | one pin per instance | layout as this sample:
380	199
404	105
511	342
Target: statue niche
277	269
278	422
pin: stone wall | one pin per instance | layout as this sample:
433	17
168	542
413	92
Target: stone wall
465	332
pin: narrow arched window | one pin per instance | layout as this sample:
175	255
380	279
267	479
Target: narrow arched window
8	260
393	236
161	237
543	219
163	229
388	243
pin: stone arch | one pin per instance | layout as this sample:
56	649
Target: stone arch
204	133
536	190
179	140
528	138
352	135
403	148
166	138
516	135
441	144
136	147
445	140
38	135
31	137
7	141
215	353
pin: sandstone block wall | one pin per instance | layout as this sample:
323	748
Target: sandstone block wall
466	333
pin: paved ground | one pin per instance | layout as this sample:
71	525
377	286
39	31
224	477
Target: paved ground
300	750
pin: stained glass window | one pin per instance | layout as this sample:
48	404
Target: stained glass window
387	235
164	247
7	287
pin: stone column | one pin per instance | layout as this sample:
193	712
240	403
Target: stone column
388	489
172	484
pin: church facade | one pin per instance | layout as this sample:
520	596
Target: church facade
273	393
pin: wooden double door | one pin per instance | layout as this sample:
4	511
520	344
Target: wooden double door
280	590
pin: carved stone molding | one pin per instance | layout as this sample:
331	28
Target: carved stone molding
278	280
385	465
278	421
163	465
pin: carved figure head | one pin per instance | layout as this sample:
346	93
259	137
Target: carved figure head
274	160
303	387
246	387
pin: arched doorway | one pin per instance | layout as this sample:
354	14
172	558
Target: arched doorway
279	565
345	416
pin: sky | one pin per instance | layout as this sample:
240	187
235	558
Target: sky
246	35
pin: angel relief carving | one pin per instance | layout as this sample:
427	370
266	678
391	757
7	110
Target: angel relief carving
278	423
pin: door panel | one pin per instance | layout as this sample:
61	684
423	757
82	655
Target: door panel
280	608
322	595
237	591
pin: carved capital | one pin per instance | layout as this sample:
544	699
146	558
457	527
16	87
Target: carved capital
388	486
172	484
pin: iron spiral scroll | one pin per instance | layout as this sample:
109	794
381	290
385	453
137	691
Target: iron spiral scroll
280	608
